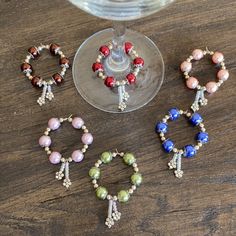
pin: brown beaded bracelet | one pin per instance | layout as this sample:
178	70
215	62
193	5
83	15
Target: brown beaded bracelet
37	81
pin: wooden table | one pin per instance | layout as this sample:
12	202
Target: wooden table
32	202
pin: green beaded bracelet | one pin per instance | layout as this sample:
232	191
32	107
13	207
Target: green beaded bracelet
122	195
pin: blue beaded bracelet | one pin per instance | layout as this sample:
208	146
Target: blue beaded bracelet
187	151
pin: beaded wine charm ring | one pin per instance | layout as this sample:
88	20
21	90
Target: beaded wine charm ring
193	83
56	157
189	150
123	195
37	81
109	80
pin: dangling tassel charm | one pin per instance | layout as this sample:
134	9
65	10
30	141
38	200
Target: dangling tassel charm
116	214
109	220
175	163
60	174
172	163
41	99
199	99
125	94
178	171
46	93
49	94
123	97
203	100
113	214
64	171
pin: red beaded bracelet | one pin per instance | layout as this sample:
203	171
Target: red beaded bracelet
37	81
109	80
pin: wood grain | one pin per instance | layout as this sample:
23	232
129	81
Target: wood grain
32	202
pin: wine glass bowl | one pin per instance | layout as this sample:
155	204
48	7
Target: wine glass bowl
121	10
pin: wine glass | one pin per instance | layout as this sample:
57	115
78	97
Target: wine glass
118	64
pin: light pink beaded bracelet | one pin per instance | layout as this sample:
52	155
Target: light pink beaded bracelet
56	157
193	83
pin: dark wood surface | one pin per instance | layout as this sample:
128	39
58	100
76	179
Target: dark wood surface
32	202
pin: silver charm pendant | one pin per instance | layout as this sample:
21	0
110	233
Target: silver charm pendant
46	93
113	214
175	163
64	172
49	94
123	97
200	99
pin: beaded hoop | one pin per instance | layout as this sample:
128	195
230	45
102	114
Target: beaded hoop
123	195
37	81
55	157
189	150
109	80
193	83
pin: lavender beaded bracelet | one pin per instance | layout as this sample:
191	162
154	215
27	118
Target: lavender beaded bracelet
56	157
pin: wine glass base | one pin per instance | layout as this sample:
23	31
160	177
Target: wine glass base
93	90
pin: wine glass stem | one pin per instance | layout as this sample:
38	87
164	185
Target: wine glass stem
118	40
118	62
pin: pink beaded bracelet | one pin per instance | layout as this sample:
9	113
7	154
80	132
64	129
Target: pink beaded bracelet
193	83
56	157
